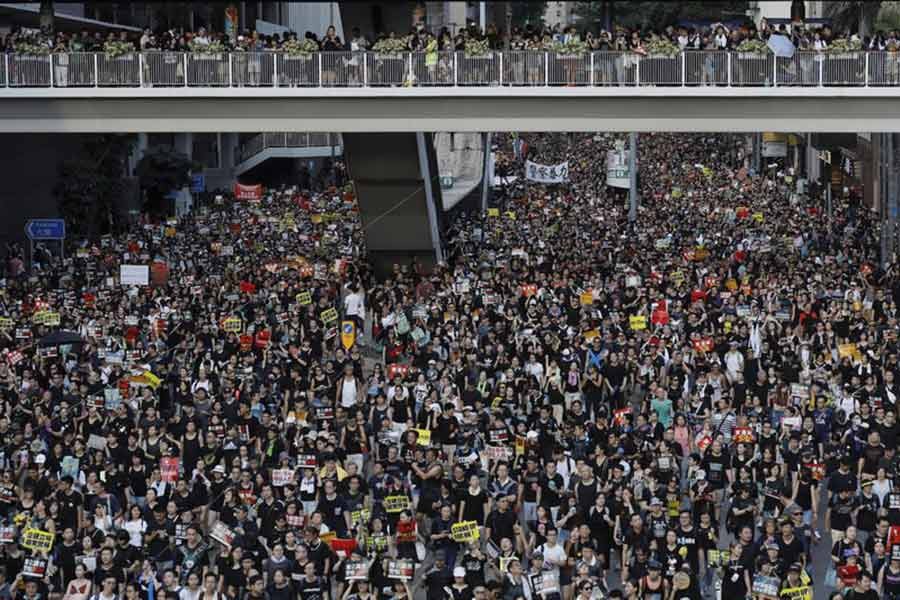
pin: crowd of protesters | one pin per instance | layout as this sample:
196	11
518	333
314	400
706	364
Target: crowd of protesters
716	36
572	405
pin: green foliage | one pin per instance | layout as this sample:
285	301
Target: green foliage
527	13
304	47
160	171
89	186
662	47
573	47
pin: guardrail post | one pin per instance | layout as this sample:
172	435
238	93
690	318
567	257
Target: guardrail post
6	67
591	74
275	69
637	72
455	69
774	71
546	69
185	66
867	69
52	65
230	69
141	69
409	71
683	69
822	70
365	59
728	66
320	68
501	68
96	70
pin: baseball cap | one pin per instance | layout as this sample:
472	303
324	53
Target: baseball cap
459	572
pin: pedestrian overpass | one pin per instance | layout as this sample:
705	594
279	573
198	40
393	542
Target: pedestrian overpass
388	106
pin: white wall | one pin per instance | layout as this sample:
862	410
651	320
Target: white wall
315	17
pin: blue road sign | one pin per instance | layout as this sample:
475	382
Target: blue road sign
46	229
198	183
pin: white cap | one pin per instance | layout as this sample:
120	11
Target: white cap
459	572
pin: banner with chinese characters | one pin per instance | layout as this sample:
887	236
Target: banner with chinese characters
547	173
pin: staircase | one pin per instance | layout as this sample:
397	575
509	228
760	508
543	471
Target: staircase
285	145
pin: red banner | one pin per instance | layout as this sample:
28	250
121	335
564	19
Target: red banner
248	192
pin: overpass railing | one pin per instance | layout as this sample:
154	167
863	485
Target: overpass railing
516	68
262	141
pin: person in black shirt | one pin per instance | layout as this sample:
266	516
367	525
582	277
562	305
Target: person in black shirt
501	522
735	574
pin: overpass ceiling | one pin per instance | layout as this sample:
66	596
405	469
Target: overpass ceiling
70	110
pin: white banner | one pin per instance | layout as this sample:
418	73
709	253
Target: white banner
617	174
547	173
775	149
134	275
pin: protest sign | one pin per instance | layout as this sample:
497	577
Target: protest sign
637	323
168	467
558	173
134	275
329	316
465	532
357	569
399	568
423	437
222	533
37	540
765	586
395	504
282	477
35	567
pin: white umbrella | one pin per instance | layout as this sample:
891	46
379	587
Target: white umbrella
781	46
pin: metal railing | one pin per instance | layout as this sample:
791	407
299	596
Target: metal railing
515	68
262	141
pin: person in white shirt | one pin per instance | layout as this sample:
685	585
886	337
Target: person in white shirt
553	552
355	309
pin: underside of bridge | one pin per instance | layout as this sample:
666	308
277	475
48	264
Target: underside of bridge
396	178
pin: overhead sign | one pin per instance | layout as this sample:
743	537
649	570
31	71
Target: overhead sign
46	229
198	183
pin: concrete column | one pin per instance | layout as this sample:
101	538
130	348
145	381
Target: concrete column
140	147
184	143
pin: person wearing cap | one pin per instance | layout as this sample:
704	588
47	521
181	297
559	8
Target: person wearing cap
439	576
459	589
653	585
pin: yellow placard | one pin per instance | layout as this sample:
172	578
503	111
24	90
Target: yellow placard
520	445
395	504
232	325
315	219
424	437
329	316
360	517
798	593
493	212
40	317
152	380
587	298
590	334
465	532
303	298
6	323
849	351
758	217
37	540
511	215
638	323
170	232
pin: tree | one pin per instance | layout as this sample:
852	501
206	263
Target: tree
658	15
857	17
88	188
160	171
